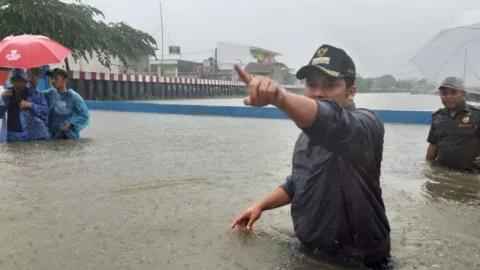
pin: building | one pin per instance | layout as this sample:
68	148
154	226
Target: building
271	70
139	66
229	54
175	68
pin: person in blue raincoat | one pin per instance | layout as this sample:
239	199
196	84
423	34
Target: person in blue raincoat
68	113
23	110
39	79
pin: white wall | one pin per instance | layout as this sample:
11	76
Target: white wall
93	65
398	101
228	53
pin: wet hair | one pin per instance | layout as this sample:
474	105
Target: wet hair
349	82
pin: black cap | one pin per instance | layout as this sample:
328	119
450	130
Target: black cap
57	71
334	61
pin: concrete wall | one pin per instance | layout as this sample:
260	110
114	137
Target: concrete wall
387	116
116	87
400	108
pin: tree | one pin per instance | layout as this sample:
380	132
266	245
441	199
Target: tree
422	82
370	83
386	82
404	84
288	77
74	26
362	85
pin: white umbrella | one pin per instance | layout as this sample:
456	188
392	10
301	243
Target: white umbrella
452	52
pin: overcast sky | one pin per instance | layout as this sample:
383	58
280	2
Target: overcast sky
380	35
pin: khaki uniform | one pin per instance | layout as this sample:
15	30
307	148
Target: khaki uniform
456	137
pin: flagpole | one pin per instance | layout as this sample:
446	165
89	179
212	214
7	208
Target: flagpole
161	26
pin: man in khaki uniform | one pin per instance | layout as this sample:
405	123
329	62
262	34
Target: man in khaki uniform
454	137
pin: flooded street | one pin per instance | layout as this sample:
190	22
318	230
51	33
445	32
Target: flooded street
148	191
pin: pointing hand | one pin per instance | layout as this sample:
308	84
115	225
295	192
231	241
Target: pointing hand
262	91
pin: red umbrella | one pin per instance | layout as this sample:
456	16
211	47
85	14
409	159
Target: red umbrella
27	51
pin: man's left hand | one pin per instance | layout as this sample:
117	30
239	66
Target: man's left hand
65	127
25	105
262	91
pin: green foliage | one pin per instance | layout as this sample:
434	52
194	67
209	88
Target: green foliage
386	82
288	78
74	26
362	85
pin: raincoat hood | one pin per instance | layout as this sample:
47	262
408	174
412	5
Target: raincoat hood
17	72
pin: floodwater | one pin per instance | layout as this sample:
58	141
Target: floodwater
148	191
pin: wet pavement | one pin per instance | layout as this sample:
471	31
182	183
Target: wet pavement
147	191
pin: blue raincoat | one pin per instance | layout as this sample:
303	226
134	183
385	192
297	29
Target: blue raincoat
66	107
33	122
44	81
42	84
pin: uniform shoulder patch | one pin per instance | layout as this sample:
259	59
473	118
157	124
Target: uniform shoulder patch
437	111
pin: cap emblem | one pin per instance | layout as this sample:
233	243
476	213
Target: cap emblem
332	73
322	51
321	60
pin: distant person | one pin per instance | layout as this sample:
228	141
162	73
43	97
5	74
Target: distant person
334	188
39	79
34	74
68	113
454	136
24	110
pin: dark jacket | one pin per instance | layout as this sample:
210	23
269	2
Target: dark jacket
337	207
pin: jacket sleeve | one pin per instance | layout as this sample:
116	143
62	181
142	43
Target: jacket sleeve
3	108
39	106
289	187
432	138
352	134
79	118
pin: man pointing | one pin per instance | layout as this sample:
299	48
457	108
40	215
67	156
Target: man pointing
334	188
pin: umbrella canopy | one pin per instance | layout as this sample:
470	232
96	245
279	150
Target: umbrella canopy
27	51
452	52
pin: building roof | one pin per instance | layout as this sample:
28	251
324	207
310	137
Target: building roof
253	48
258	68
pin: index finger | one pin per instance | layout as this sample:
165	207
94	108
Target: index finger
242	73
238	220
235	223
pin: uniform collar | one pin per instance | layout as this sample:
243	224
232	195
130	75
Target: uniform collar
463	107
352	106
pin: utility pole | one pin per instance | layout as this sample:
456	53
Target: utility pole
465	67
161	27
216	65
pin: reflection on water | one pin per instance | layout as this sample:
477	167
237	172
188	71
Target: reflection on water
144	191
446	184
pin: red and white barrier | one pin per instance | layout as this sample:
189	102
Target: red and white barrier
100	76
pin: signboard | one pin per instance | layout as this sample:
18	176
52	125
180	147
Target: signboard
174	49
